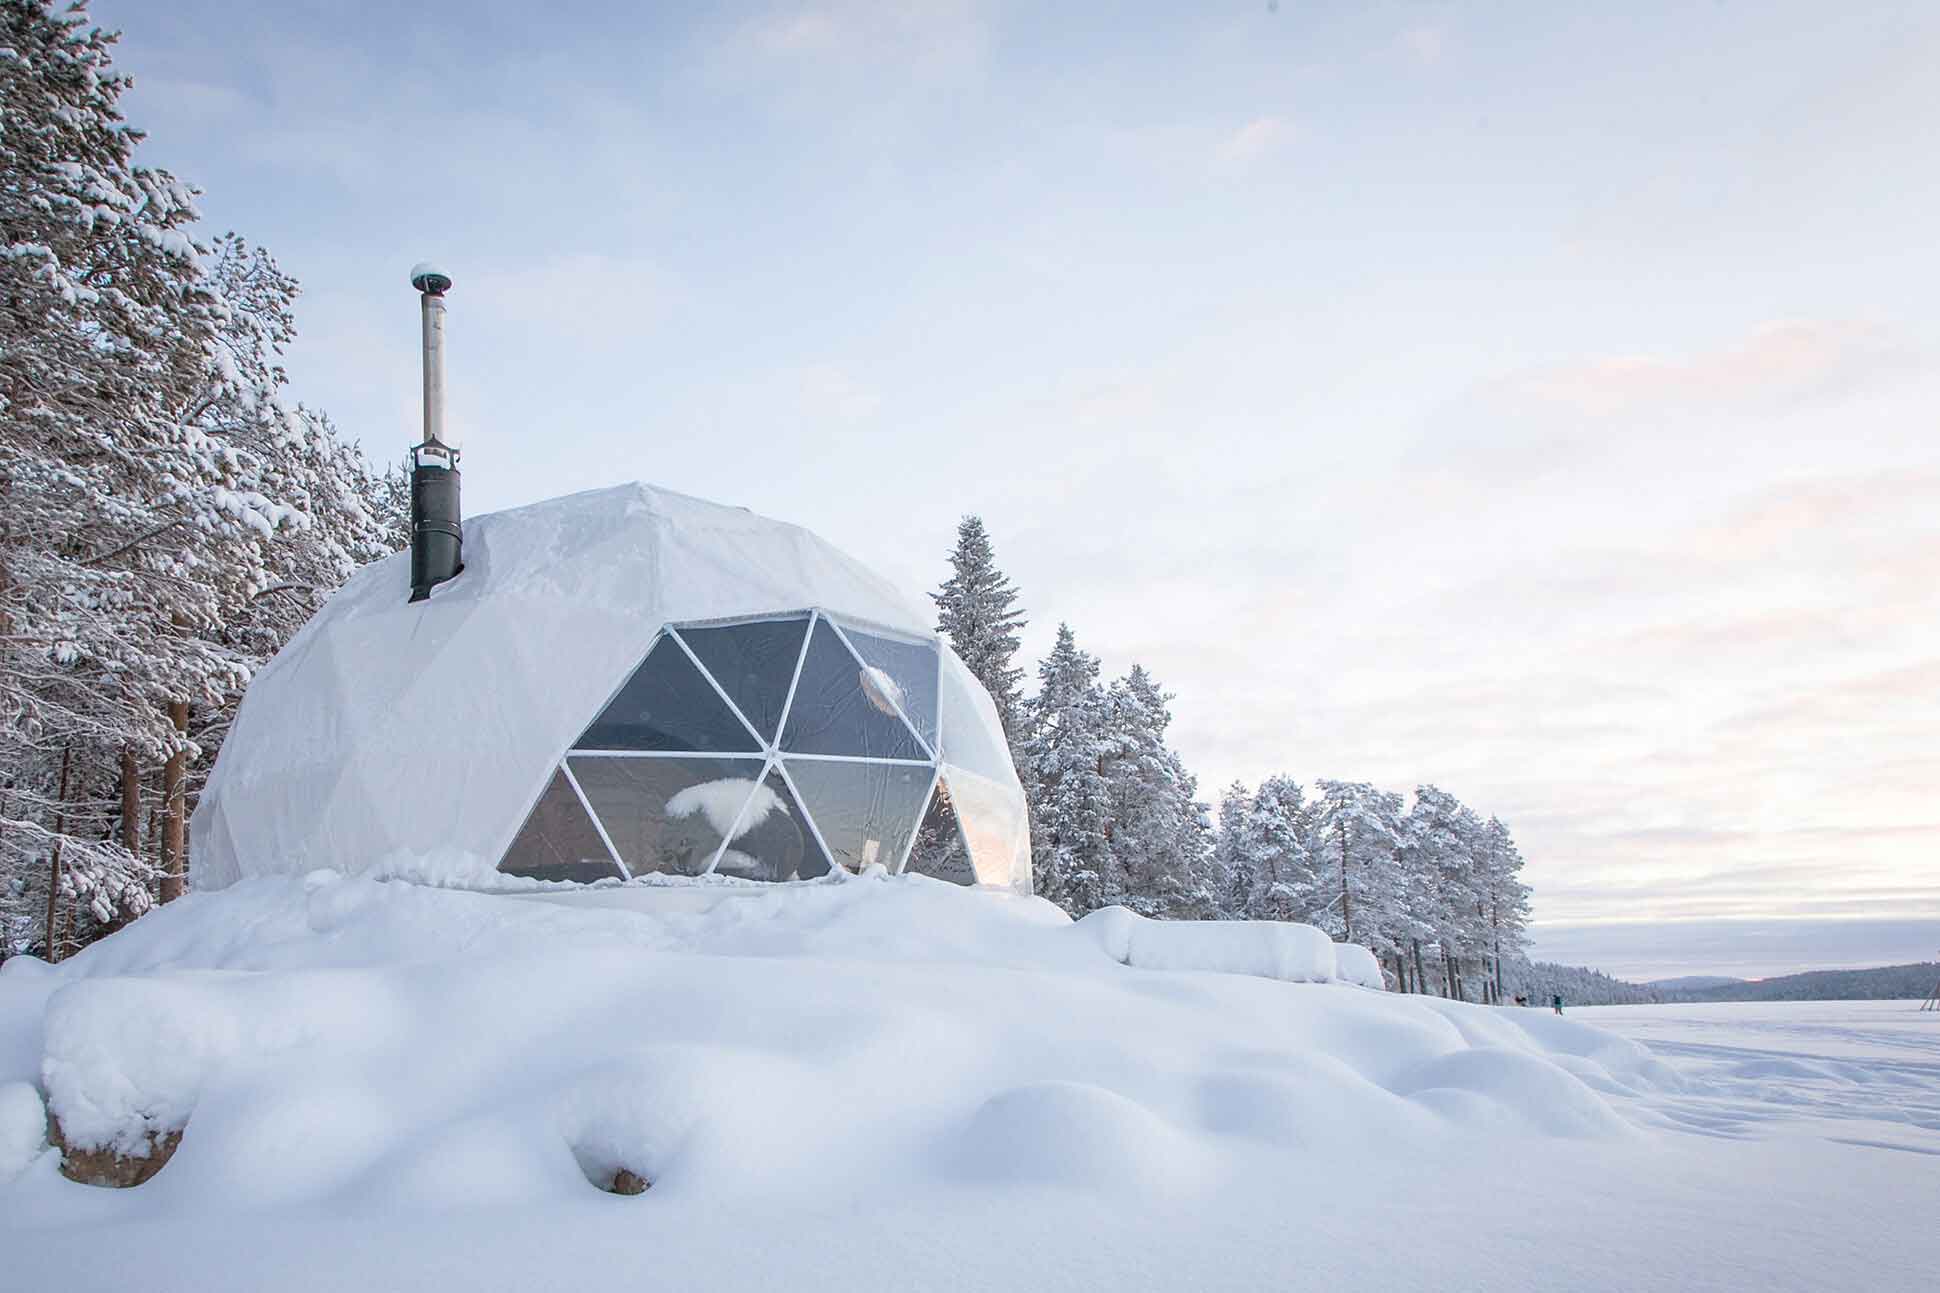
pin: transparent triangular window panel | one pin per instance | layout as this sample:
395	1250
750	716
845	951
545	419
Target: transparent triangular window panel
773	840
667	815
902	671
840	707
559	841
754	663
996	827
939	850
668	704
866	812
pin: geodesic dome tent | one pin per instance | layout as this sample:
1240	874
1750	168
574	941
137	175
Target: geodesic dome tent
622	682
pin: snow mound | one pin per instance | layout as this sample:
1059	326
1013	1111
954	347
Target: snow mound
1269	949
23	1128
1512	1087
1074	1134
343	1042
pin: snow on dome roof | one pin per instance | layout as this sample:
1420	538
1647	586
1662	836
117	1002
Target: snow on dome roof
430	740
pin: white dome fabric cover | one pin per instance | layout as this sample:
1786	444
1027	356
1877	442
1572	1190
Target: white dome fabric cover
415	740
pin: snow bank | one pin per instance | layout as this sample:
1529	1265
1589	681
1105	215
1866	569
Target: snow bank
1268	949
800	1053
889	1083
23	1128
1355	964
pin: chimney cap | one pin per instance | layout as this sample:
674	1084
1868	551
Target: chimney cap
429	279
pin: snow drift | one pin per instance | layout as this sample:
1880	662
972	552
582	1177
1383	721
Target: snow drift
1267	949
501	1047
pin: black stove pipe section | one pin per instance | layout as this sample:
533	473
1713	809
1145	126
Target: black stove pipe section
437	531
437	534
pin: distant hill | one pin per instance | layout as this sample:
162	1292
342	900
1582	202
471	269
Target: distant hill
1882	983
1580	986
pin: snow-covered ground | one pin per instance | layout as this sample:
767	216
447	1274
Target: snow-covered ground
898	1084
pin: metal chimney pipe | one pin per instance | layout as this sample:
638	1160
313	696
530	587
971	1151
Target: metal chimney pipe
437	535
432	287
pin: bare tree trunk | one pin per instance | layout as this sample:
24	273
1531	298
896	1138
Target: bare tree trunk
1346	908
1495	942
173	805
155	834
1421	976
54	860
130	801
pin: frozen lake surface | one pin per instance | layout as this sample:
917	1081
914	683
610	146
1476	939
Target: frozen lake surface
1863	1073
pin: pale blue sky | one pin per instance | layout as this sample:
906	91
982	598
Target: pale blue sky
1536	399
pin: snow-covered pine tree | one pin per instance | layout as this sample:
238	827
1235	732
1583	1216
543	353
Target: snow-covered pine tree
1357	832
1277	853
1443	842
1507	899
977	610
1230	881
1159	833
154	490
108	326
1066	741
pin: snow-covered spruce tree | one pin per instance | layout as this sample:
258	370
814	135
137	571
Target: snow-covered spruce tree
152	484
1159	835
976	608
1067	738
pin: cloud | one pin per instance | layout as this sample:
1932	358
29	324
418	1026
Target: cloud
1239	150
1643	950
805	33
1780	363
926	38
825	391
1424	44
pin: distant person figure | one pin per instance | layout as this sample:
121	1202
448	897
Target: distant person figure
1557	1001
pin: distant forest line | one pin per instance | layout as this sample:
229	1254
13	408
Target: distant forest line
1541	980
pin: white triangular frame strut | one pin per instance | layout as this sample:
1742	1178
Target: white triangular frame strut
936	779
814	826
769	753
719	690
789	707
626	872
